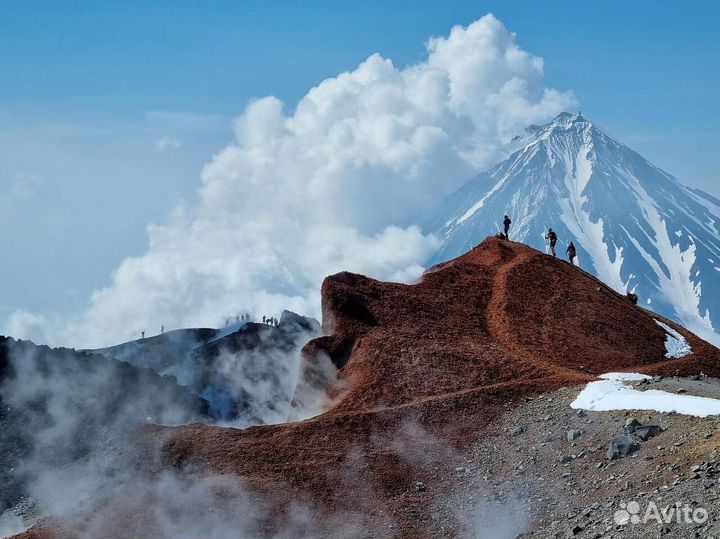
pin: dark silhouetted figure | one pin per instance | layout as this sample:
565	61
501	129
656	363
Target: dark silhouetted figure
506	223
142	334
551	236
162	329
572	253
264	319
632	297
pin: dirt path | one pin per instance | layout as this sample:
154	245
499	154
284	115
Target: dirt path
499	323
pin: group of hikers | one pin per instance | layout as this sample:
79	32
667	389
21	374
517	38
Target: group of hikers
551	237
270	320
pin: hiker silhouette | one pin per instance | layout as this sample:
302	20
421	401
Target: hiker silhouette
506	224
551	236
572	253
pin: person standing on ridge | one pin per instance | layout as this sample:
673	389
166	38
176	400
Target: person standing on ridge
506	223
551	236
572	253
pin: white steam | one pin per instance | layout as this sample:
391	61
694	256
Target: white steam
336	184
249	374
71	447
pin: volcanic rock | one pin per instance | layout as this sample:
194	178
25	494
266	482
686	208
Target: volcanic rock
647	432
424	370
621	447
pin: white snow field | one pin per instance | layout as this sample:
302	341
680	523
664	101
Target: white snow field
614	393
675	344
636	227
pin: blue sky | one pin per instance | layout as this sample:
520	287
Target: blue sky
109	110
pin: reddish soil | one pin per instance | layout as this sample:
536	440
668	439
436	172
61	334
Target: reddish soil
449	353
425	368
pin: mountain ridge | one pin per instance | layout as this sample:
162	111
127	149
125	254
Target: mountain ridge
636	227
425	371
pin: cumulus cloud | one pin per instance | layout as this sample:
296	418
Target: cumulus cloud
339	183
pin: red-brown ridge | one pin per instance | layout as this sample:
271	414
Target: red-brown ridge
445	357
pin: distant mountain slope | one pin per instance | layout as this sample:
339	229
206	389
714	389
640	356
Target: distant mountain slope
247	372
636	227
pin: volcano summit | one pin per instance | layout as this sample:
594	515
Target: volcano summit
636	227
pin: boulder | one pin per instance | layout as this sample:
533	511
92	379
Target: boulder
647	432
631	424
621	447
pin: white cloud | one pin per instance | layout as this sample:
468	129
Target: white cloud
26	325
336	184
167	143
22	187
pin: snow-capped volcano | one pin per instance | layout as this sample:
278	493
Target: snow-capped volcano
636	227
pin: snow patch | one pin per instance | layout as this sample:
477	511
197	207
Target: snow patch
675	279
625	376
480	203
614	393
591	235
675	344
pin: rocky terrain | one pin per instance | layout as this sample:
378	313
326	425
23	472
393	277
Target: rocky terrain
450	417
556	478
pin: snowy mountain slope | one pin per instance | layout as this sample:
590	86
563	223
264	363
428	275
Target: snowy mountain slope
636	227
